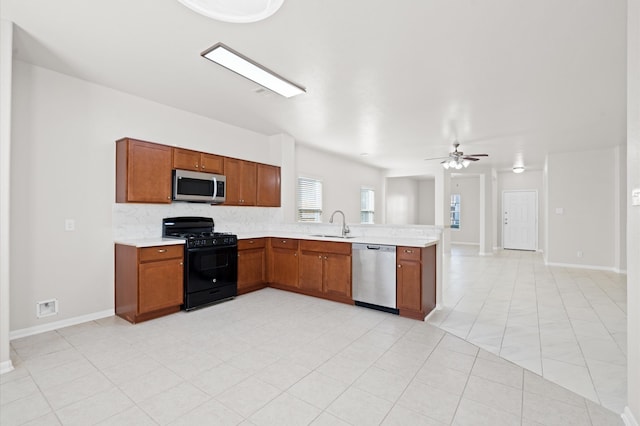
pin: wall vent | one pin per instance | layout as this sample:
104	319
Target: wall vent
47	308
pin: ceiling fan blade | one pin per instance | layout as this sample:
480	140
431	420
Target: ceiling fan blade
436	158
470	158
477	155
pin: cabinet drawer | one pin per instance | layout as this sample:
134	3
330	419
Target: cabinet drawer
408	253
161	252
251	243
325	246
286	243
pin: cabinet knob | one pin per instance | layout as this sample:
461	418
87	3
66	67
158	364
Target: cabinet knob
162	250
181	263
250	241
325	258
197	166
295	254
168	197
399	266
319	257
284	241
408	251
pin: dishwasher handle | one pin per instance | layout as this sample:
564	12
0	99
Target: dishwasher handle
374	247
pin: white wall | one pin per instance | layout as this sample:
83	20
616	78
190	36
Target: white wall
469	190
342	180
427	201
632	412
528	180
401	201
63	166
583	185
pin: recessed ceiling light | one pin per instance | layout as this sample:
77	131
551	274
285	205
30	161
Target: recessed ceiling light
234	11
240	64
364	154
518	169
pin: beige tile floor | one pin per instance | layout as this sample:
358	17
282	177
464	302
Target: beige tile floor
568	325
276	358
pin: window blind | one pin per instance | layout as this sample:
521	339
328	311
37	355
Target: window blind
367	203
309	200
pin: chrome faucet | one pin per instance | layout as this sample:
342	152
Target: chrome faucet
345	228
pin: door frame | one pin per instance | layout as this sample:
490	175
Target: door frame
537	216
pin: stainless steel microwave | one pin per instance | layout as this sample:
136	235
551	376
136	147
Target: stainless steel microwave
199	187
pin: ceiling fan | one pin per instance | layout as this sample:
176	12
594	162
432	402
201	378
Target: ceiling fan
457	159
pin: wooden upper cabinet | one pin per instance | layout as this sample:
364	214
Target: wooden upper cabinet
185	159
268	185
143	172
210	163
241	182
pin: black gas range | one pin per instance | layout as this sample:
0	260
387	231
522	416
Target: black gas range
211	260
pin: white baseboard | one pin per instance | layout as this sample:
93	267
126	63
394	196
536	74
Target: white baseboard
6	366
578	266
484	253
458	243
620	271
30	331
627	417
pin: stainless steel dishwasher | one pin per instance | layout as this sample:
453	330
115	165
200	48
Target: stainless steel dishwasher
374	276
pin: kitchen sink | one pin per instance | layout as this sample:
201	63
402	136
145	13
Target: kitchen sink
331	236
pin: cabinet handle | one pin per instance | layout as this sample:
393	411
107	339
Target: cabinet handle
162	250
284	241
408	251
250	241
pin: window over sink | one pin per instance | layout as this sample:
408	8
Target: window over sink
367	205
309	200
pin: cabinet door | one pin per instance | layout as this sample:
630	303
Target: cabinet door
337	274
248	193
251	267
311	271
148	173
160	285
185	159
210	163
268	184
284	267
409	283
233	172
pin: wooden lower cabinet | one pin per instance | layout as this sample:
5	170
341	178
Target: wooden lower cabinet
283	263
416	281
325	269
148	281
252	265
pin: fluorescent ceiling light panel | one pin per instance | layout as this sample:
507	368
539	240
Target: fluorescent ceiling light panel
240	64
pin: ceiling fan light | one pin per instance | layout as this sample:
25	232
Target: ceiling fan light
445	164
458	166
466	163
452	163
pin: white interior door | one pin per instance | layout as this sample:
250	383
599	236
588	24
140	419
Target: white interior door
520	220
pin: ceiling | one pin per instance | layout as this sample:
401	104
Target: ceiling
398	80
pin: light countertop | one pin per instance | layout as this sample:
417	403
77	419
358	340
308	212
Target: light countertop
150	242
392	241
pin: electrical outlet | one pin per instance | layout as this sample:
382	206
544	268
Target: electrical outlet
579	253
69	225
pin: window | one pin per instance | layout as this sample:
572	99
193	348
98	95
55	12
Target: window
367	203
309	200
455	211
